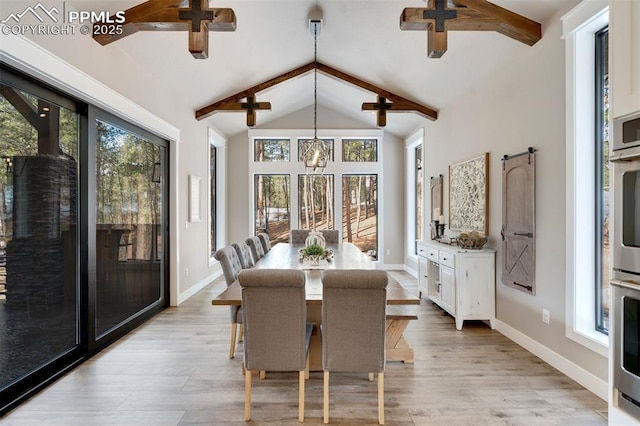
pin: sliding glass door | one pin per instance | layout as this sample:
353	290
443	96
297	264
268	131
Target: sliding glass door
129	219
39	285
83	232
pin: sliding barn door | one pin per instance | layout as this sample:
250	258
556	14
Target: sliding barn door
518	222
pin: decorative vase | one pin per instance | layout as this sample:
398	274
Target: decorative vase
317	238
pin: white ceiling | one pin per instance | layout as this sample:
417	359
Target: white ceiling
359	37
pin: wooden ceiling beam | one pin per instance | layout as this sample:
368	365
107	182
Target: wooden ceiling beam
221	105
467	15
511	25
166	15
425	111
401	104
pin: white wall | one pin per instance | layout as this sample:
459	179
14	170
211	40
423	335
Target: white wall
521	104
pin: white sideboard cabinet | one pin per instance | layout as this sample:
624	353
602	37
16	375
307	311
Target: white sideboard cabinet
460	281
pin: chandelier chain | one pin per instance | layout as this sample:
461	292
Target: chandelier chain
315	84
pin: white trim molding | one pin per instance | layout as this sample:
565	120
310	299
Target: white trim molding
593	383
579	27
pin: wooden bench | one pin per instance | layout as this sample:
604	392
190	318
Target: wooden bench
398	317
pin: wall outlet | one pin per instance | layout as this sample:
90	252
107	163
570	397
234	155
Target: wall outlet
186	272
388	252
545	316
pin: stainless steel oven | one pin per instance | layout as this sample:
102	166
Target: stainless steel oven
626	206
625	285
626	133
626	343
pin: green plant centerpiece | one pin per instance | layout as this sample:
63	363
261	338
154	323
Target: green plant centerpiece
313	250
314	253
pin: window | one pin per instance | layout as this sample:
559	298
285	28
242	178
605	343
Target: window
414	193
587	176
315	200
212	200
360	150
602	180
273	206
271	150
418	193
360	212
285	196
303	148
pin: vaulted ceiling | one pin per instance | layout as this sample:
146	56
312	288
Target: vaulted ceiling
361	38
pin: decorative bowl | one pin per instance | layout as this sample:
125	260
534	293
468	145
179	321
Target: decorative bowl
471	240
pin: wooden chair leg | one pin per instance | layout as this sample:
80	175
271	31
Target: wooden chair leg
301	398
371	376
234	327
326	397
241	333
306	369
247	396
381	398
263	374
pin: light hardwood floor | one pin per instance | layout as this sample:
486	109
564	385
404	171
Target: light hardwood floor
175	370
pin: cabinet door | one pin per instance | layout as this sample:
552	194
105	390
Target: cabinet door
625	53
433	281
422	275
476	287
448	289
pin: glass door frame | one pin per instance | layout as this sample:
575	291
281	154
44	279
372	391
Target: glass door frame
88	175
56	367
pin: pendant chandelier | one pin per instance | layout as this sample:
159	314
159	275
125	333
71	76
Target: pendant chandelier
316	154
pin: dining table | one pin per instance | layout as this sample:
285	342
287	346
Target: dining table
344	256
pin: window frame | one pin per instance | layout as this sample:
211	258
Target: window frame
411	143
337	168
579	28
220	143
601	156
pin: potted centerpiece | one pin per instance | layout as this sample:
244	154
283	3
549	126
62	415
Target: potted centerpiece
314	253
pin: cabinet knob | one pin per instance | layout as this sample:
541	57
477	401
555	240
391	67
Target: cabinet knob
444	258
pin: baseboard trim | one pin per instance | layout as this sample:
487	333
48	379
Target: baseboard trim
593	383
198	286
390	266
410	271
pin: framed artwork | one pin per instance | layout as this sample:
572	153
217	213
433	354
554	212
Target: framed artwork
469	195
194	198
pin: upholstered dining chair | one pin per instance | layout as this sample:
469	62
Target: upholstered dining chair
244	254
331	236
299	236
256	248
353	326
276	331
231	267
266	243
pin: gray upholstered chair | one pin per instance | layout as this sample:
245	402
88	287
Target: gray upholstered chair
277	334
231	267
244	254
266	243
353	326
299	236
331	236
256	248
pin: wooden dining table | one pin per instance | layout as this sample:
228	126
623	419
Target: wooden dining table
345	256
